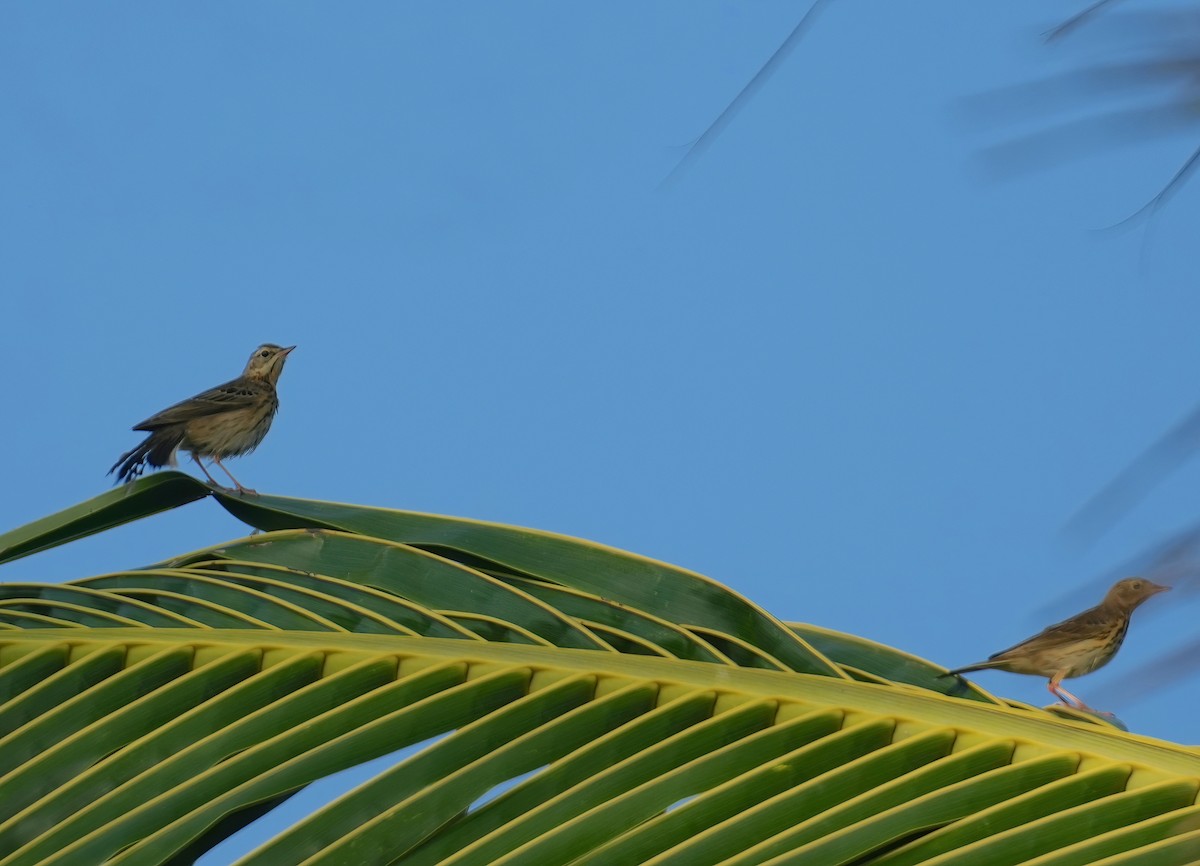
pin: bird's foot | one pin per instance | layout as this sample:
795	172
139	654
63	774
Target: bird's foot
237	488
1079	706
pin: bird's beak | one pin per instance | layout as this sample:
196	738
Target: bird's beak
287	350
1157	588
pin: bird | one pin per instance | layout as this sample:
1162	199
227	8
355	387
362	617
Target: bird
1076	646
226	421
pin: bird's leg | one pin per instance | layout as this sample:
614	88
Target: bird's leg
1056	689
236	483
212	480
1070	700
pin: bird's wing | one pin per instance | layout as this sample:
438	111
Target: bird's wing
1078	627
233	395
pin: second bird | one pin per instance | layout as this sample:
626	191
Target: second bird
1075	646
225	421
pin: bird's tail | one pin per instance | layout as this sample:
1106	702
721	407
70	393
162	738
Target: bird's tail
155	450
979	666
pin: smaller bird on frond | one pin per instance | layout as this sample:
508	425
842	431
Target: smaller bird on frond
1076	646
226	421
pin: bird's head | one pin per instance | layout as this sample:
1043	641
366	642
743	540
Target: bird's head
267	362
1132	591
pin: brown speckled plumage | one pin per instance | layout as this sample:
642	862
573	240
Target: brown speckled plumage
1076	646
226	421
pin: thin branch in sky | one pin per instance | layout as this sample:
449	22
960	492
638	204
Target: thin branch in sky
1161	197
723	120
1075	20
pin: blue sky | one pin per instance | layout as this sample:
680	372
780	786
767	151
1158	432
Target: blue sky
843	365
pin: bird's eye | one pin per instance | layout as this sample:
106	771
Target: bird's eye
264	353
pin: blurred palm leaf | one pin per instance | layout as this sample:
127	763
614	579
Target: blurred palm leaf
563	702
1141	82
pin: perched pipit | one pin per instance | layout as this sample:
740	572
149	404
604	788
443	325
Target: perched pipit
1078	645
224	421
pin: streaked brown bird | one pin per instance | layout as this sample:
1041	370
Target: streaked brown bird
1075	646
225	421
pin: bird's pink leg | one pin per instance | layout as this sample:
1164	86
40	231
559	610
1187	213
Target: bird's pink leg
1056	689
212	480
1069	699
236	483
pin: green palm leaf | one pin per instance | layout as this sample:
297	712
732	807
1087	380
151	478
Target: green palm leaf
559	701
